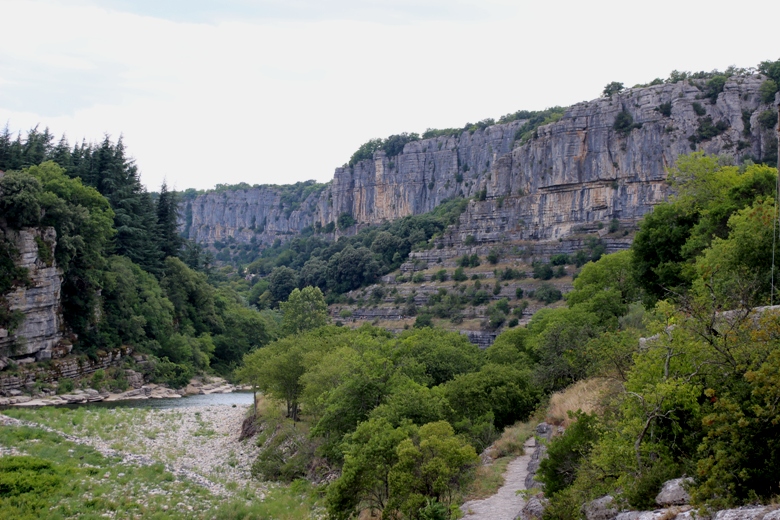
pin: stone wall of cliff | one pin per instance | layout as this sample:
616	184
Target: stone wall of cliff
571	176
39	336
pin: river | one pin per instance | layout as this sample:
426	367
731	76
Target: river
229	399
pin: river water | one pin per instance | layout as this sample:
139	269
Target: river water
233	398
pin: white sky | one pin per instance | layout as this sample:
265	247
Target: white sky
279	91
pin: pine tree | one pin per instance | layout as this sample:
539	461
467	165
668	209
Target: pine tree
170	242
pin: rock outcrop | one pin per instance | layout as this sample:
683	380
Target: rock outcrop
39	335
572	176
71	367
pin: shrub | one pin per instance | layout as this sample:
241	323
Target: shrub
418	278
542	271
469	260
559	259
560	272
23	475
171	373
469	240
459	275
566	453
518	311
98	378
614	225
480	297
665	109
768	90
497	288
503	305
441	275
65	386
345	221
707	130
698	109
547	294
345	313
519	293
493	256
624	123
613	88
767	119
423	320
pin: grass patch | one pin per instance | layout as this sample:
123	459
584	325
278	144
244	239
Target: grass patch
489	478
512	440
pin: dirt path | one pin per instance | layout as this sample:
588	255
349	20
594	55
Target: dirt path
506	503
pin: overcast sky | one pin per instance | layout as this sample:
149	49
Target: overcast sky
279	91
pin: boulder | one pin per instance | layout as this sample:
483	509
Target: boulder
673	493
134	379
534	508
600	509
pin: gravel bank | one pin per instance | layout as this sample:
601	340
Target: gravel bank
199	444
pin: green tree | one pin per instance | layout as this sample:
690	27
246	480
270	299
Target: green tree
281	283
503	391
20	199
304	310
435	463
370	453
167	207
613	88
442	354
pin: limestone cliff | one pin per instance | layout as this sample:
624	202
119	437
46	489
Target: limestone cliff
570	176
40	333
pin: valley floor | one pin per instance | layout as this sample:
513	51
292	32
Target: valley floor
184	462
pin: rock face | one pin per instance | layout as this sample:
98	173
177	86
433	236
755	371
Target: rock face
40	333
68	368
572	176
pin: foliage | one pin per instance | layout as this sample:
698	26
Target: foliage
304	310
612	88
768	119
768	90
670	238
706	130
535	120
624	123
665	109
392	146
565	454
547	293
338	267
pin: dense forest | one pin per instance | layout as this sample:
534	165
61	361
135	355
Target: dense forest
128	275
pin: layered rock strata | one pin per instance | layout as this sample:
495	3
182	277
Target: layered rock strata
39	336
568	177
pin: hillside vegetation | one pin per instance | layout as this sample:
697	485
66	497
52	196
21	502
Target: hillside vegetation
404	415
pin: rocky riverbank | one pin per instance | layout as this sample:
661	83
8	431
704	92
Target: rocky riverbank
199	444
140	391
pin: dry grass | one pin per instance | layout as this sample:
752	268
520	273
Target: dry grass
586	395
512	440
